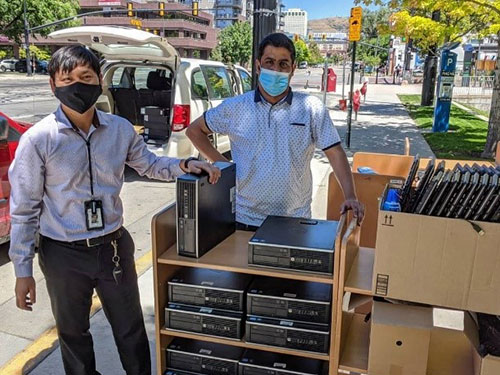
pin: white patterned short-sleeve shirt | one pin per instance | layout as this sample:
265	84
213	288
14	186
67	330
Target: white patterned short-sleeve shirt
272	146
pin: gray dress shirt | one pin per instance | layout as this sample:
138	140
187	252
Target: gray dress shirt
50	180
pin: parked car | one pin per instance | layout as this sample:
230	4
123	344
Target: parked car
8	64
10	132
141	69
303	65
40	66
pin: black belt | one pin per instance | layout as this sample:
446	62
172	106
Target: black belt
246	227
92	242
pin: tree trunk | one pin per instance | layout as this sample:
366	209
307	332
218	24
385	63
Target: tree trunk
429	81
494	121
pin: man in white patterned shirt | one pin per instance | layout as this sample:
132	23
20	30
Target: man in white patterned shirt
66	180
273	134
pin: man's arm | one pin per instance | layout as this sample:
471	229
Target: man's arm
26	176
164	168
338	160
198	133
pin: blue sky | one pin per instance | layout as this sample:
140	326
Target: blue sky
321	8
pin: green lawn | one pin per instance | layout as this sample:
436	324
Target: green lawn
466	136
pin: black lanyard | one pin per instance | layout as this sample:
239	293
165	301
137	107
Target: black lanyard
95	121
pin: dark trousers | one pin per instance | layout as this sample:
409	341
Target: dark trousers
72	272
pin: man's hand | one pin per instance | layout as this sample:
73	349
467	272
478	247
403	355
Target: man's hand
25	286
358	209
196	167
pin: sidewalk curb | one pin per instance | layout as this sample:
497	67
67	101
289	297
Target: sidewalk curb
46	343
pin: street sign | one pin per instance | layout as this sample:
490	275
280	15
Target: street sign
355	24
136	22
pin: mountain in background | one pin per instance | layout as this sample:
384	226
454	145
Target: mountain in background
329	25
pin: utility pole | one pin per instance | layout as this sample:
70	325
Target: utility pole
27	42
264	23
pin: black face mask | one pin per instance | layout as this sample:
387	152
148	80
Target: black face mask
78	96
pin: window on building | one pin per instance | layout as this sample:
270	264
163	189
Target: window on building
218	82
187	34
171	33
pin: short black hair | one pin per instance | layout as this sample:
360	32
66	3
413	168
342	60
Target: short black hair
68	58
277	40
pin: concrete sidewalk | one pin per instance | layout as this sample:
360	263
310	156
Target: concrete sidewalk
382	126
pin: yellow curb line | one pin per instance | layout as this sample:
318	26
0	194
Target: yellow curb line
46	343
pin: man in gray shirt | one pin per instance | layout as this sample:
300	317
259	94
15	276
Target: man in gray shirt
273	133
66	179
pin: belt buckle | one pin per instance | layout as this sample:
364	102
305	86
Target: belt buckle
89	244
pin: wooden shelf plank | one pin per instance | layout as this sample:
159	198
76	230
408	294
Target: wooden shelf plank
354	355
244	344
232	255
360	277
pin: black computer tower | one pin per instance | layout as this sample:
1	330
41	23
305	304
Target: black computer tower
204	320
309	337
210	288
205	212
293	300
258	362
306	245
203	357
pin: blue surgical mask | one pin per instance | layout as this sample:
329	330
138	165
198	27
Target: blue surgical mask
274	83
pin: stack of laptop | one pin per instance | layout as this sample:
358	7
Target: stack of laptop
470	192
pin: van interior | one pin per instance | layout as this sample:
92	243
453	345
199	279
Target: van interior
132	87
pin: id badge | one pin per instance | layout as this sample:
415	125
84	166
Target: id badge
94	215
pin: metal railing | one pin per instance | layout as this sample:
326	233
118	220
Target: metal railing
474	81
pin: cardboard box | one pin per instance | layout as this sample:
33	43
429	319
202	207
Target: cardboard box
438	261
399	340
450	350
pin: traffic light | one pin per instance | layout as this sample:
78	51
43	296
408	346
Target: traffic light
195	8
130	9
323	36
161	7
310	36
296	37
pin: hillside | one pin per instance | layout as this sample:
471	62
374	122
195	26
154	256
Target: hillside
329	25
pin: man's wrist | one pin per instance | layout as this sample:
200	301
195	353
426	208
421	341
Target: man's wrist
184	164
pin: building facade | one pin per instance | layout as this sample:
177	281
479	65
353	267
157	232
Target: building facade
227	12
295	21
190	36
329	44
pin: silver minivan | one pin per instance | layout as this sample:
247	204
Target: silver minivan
141	69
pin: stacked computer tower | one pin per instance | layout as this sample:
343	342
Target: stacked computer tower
293	315
156	123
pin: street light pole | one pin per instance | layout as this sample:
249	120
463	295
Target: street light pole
27	42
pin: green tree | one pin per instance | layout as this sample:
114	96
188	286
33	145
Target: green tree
39	13
373	27
314	54
301	51
234	44
2	54
38	53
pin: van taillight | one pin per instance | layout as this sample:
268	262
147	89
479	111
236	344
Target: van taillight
181	118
